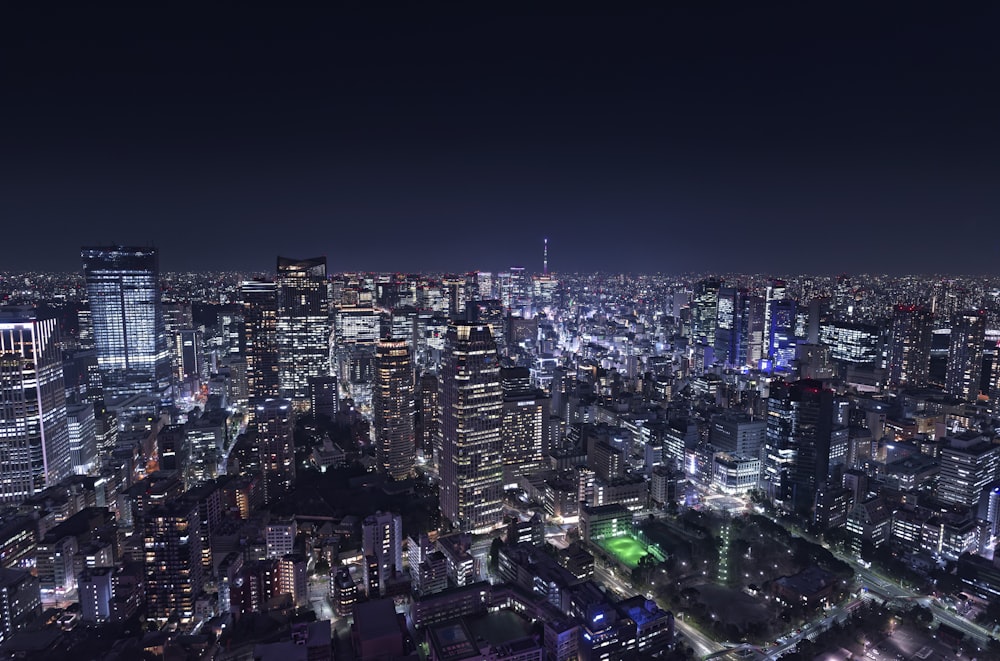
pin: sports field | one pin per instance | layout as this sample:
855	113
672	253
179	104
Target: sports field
627	549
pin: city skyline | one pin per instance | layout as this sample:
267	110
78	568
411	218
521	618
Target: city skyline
657	140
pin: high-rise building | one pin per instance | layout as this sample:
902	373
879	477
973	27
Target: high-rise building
82	438
737	434
303	324
705	311
382	539
525	423
797	442
471	466
324	396
275	422
427	436
173	549
20	601
123	288
34	435
392	404
965	355
910	345
851	342
969	465
260	338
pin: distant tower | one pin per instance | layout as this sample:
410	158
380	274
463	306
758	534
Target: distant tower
303	324
33	427
545	258
910	345
123	289
392	404
965	355
471	467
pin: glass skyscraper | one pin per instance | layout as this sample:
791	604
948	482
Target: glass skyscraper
123	288
34	436
303	324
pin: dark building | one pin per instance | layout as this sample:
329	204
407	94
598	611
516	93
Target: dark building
260	339
910	345
797	442
965	355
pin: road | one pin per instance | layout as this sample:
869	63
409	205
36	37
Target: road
700	643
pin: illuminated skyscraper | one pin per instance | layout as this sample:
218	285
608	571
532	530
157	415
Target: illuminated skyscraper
275	422
123	288
303	324
471	467
797	442
393	408
705	311
34	436
965	355
525	423
260	338
427	430
910	345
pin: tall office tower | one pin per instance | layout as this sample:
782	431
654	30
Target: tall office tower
382	539
173	549
969	464
471	467
82	438
909	345
752	331
275	422
454	291
484	285
727	325
781	334
123	287
34	436
965	355
525	424
776	291
705	311
393	408
427	416
303	324
520	287
797	442
260	338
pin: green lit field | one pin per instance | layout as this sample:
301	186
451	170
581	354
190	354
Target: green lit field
626	549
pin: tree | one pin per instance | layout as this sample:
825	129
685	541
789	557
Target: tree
495	547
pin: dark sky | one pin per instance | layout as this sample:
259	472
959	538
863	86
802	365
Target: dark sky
820	137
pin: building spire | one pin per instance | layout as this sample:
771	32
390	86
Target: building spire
545	257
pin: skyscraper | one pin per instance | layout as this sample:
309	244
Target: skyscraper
260	338
34	436
525	423
393	408
303	324
909	345
471	467
275	422
797	442
965	355
123	288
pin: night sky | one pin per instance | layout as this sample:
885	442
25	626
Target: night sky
818	137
